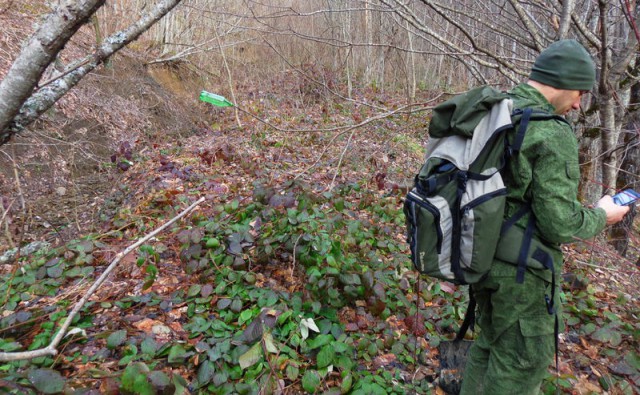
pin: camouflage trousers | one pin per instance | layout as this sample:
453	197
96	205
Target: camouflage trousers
516	342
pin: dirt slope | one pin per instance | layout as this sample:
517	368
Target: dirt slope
56	173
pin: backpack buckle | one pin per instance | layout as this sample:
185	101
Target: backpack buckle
463	177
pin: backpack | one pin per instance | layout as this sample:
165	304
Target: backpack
455	211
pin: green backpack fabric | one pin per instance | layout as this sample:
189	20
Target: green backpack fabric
455	212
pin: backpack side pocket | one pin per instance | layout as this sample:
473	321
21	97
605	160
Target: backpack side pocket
428	220
480	233
508	249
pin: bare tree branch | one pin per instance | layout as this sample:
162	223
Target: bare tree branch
593	40
530	28
565	19
478	54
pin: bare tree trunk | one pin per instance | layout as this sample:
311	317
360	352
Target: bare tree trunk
368	28
412	62
628	174
565	19
607	108
346	26
17	90
96	28
37	55
609	143
229	77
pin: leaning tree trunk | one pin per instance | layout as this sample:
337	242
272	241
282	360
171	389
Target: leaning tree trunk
37	55
19	104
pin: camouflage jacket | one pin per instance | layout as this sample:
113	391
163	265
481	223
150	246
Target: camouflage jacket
546	173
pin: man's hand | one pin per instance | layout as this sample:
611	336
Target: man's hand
614	212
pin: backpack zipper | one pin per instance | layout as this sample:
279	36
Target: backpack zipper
482	199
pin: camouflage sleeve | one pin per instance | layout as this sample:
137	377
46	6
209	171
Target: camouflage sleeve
560	217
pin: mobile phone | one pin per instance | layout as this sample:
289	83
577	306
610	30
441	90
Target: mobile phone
626	197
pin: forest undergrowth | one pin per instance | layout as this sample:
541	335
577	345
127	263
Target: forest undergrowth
293	276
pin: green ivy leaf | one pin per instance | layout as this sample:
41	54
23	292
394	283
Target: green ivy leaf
251	357
319	341
236	306
292	372
196	235
194	290
206	290
161	383
177	354
47	381
245	388
205	373
572	321
346	384
245	316
220	378
134	379
611	316
633	359
326	356
126	360
310	381
149	346
116	339
223	303
181	384
55	271
183	236
331	260
9	346
340	347
284	317
608	335
589	328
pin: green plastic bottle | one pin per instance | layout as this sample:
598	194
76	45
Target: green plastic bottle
214	99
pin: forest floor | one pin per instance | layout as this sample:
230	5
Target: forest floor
292	276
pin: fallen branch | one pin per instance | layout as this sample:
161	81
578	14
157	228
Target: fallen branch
344	151
403	110
51	348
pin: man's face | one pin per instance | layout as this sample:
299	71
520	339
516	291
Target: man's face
567	100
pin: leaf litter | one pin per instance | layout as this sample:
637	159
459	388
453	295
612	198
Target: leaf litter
304	289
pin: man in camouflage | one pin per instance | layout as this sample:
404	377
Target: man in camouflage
516	342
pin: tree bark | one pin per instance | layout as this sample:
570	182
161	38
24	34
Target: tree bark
18	91
565	19
40	51
607	108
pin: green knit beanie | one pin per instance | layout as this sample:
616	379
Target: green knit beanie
565	65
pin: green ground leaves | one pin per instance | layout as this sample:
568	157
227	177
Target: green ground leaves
303	290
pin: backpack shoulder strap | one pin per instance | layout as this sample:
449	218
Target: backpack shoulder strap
469	318
523	117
